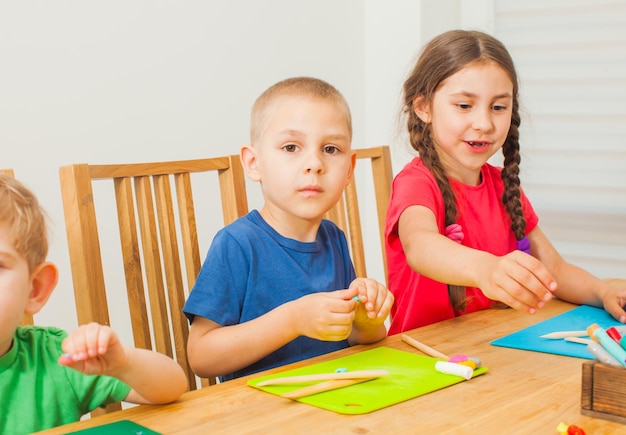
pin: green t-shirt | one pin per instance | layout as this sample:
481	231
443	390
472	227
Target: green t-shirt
37	393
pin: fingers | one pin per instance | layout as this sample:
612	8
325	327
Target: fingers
327	315
522	282
536	283
616	311
614	304
376	299
87	341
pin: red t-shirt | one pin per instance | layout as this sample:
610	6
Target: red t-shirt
486	225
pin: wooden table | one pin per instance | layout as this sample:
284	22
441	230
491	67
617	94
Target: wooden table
523	393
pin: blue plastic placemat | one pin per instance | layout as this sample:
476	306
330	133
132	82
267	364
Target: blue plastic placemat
578	318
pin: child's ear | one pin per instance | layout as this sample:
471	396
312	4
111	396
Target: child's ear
249	161
43	280
421	107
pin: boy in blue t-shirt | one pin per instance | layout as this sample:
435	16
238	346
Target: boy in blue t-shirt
277	285
47	377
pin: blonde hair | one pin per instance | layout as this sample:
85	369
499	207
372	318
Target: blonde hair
20	210
294	86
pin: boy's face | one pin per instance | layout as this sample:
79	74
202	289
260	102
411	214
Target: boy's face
15	285
303	157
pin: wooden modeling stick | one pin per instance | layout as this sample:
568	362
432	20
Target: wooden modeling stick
450	365
424	348
323	386
357	374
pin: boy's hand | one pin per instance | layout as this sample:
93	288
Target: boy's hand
376	300
93	349
325	316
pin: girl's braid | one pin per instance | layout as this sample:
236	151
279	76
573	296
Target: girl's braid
510	176
421	140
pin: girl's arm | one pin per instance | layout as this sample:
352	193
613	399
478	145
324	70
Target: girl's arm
216	350
517	279
576	285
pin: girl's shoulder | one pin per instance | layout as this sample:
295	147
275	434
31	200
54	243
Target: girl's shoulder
415	169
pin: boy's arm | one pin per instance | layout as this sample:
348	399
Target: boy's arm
216	350
95	349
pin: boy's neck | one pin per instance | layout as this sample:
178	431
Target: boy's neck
291	227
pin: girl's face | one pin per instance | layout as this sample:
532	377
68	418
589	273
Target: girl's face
470	116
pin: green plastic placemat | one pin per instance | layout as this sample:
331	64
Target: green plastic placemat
122	427
410	375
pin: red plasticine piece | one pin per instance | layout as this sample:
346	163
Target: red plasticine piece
614	334
572	429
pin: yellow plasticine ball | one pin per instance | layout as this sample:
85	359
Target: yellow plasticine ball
468	363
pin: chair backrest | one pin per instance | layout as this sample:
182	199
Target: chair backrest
347	215
155	223
27	319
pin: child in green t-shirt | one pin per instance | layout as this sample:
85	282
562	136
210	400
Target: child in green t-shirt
47	377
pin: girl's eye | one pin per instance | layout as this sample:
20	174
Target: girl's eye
290	148
463	106
499	107
330	149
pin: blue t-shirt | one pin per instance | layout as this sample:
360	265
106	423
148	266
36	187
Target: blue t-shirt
251	269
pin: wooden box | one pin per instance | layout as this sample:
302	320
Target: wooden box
604	391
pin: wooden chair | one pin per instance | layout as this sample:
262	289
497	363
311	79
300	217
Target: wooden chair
347	215
155	223
27	319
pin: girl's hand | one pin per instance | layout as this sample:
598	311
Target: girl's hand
519	280
93	349
614	300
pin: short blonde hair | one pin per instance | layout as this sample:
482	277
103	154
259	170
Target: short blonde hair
294	86
20	210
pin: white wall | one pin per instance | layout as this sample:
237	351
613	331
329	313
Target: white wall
139	80
131	80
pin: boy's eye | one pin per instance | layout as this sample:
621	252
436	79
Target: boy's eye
290	147
330	149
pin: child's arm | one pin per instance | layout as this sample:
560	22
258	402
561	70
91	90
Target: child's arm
216	350
95	349
577	285
517	279
369	321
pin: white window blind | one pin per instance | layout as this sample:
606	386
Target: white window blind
571	61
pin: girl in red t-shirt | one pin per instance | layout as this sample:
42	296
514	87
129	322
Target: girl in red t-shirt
461	235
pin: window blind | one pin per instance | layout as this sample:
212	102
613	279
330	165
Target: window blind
570	56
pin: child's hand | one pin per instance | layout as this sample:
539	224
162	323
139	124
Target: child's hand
519	280
325	316
376	299
614	300
93	349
